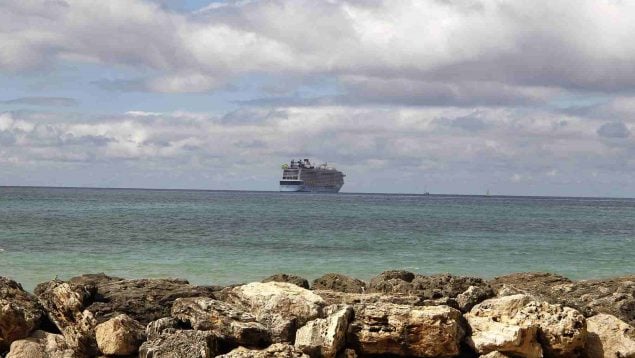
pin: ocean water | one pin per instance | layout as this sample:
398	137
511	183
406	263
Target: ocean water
221	237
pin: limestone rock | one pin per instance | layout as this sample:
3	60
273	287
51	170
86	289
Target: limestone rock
229	321
342	298
166	324
472	296
427	287
283	277
339	282
324	337
181	344
41	345
495	355
518	325
20	313
278	350
64	304
609	337
282	307
614	296
119	336
347	353
387	328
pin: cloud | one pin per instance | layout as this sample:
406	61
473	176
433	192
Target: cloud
43	101
481	52
614	130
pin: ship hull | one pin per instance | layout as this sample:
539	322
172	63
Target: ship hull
300	188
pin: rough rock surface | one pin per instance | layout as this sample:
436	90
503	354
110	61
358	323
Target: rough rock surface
278	350
282	307
324	337
226	320
20	313
495	355
338	298
340	283
182	344
427	287
64	303
609	337
615	296
406	331
145	300
518	325
283	277
120	335
166	324
41	345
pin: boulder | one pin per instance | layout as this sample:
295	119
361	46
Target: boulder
518	325
182	344
65	305
324	337
278	350
41	345
495	355
166	324
282	307
347	353
472	296
339	282
20	313
432	287
402	330
119	336
614	296
283	277
609	337
236	326
78	305
342	298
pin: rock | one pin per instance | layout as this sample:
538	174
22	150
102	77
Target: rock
280	306
226	320
339	282
472	296
166	324
405	330
20	313
518	325
64	304
609	337
347	353
283	277
427	287
615	296
495	355
144	300
119	336
324	337
182	344
41	345
342	298
277	350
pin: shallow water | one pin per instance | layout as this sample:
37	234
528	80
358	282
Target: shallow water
220	237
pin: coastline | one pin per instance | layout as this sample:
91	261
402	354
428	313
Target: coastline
396	313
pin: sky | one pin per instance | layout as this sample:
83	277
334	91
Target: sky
404	96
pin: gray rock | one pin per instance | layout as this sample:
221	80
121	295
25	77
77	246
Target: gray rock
339	282
166	324
20	313
283	277
228	321
181	344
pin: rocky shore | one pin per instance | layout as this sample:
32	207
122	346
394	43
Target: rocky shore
396	314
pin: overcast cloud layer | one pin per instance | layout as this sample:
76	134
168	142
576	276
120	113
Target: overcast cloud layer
452	96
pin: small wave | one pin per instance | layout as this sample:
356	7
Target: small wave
1	249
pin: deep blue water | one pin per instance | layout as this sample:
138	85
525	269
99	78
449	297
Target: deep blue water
220	237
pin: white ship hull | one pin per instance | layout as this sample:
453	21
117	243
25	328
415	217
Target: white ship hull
309	189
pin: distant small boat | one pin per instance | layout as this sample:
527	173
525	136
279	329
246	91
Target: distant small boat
487	193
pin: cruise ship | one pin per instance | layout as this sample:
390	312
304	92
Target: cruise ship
302	176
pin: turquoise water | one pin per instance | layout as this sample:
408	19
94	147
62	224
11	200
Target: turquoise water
219	237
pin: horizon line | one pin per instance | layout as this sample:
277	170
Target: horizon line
346	192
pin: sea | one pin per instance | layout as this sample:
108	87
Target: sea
224	237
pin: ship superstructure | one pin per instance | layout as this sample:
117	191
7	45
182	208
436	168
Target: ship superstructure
302	176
